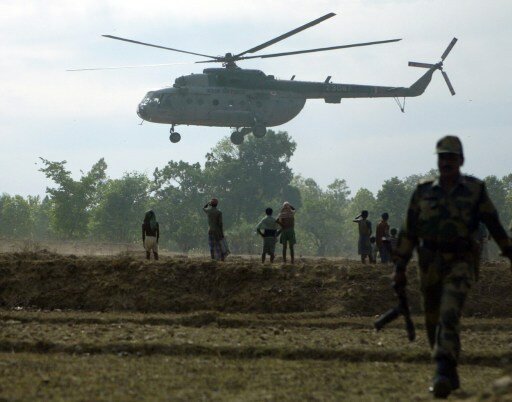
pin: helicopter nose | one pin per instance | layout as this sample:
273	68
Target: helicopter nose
141	112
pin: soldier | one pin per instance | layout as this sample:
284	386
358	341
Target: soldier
216	241
150	234
365	230
269	226
442	220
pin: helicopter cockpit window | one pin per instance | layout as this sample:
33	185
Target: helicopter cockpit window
146	100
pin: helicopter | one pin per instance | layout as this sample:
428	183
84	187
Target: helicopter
249	100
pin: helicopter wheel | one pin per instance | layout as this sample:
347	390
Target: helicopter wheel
175	137
259	131
237	137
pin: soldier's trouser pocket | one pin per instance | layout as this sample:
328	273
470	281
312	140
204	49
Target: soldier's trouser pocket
429	270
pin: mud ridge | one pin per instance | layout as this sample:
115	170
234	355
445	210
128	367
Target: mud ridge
209	318
124	283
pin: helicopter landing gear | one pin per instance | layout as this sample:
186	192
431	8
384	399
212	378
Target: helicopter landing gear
237	137
259	131
174	137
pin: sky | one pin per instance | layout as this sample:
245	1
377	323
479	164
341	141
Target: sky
80	117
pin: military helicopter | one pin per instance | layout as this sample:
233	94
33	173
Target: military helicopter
249	100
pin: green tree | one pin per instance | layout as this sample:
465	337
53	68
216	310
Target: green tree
72	200
323	214
40	211
15	216
393	198
497	193
507	213
121	206
252	176
179	197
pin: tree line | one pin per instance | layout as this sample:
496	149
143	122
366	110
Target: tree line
246	179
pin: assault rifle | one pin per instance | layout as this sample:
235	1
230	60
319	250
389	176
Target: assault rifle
394	313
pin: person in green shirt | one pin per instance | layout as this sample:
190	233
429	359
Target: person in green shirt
268	229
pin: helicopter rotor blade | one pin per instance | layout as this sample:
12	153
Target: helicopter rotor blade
449	48
422	65
287	34
121	67
158	46
450	87
321	49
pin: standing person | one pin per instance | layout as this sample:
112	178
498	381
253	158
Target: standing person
393	240
286	219
218	245
382	238
373	250
365	230
150	234
269	226
442	220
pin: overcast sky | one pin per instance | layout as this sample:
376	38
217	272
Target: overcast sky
83	116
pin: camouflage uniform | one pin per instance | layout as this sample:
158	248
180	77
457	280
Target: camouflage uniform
442	226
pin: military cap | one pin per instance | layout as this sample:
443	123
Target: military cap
449	144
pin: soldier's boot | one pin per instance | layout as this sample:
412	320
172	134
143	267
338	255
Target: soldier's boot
446	378
156	255
148	255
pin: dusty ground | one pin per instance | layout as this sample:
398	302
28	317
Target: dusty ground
118	328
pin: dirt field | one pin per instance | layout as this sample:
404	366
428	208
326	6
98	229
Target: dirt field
119	328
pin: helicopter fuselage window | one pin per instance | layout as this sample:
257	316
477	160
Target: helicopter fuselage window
215	102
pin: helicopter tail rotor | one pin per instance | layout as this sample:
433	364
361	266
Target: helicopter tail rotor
439	66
